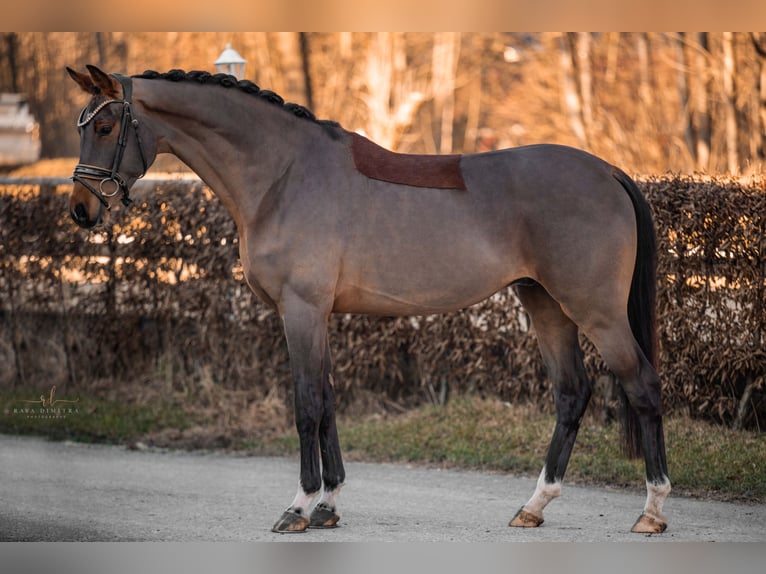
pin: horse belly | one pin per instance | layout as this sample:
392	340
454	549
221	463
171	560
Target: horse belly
421	286
390	302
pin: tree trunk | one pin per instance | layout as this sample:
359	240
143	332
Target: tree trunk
12	54
293	68
345	45
473	113
100	49
379	72
762	109
645	77
700	96
306	66
730	100
394	93
570	94
613	51
264	73
585	76
759	131
682	79
444	68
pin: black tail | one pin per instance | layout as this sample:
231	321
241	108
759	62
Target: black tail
641	303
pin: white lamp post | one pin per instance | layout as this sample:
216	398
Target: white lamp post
230	62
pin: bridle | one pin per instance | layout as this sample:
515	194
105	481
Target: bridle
83	172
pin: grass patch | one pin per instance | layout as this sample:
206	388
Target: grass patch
89	419
466	433
710	459
703	459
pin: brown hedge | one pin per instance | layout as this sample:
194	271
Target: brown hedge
158	296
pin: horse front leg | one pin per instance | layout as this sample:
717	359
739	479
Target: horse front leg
325	513
305	327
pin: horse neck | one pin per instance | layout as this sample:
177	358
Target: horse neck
238	144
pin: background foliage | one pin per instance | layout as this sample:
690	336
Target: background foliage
648	102
157	299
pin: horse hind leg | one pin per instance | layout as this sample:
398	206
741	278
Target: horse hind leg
641	385
557	338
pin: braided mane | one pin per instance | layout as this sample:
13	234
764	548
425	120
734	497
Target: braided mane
229	81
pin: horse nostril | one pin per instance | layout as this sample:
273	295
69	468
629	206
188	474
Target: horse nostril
79	214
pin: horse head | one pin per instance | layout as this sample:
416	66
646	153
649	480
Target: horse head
116	148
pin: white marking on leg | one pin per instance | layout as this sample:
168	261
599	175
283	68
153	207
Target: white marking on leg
303	502
544	493
329	497
656	493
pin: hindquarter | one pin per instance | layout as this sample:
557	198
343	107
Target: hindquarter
579	226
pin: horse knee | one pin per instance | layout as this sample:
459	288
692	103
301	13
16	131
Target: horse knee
307	426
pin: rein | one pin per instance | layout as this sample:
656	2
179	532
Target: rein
84	172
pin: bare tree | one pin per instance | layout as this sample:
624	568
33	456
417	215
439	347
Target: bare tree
585	77
266	73
473	110
759	120
333	59
613	51
444	68
9	69
293	54
571	99
645	90
682	80
700	92
705	93
730	97
394	92
100	48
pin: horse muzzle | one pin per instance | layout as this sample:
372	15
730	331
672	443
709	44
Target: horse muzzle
84	208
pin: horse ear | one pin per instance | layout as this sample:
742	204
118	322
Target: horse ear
106	84
83	80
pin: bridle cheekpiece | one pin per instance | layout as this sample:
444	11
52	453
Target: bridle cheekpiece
84	172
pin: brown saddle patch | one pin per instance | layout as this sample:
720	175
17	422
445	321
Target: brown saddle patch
376	162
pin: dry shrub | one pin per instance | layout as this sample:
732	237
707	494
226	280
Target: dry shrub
158	296
711	295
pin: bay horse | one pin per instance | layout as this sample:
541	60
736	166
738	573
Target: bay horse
329	222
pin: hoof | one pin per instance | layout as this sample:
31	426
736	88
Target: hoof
323	516
525	519
649	525
291	522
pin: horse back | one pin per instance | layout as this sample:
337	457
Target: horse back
416	170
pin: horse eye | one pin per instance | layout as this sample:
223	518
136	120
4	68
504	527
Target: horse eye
104	130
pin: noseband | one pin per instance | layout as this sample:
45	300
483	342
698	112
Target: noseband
84	172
